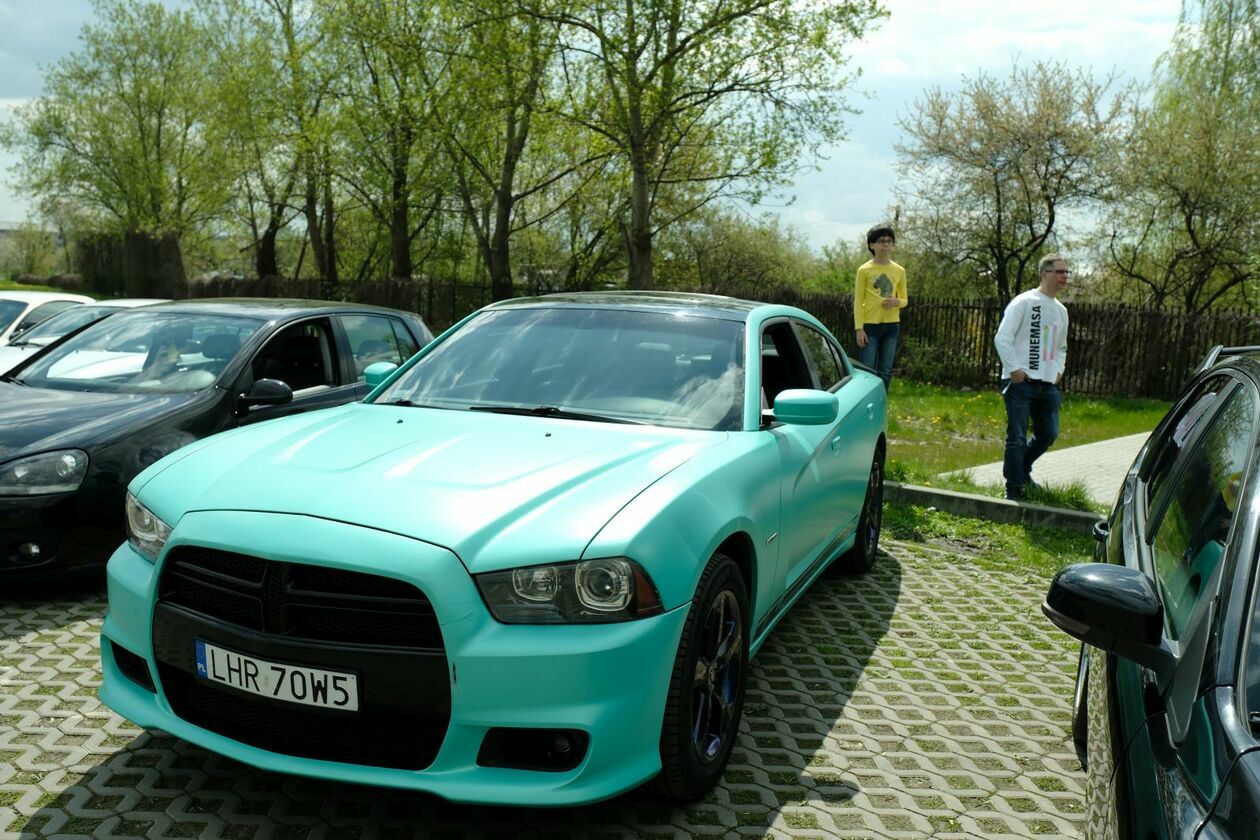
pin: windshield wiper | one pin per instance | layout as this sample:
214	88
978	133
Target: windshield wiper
551	411
12	379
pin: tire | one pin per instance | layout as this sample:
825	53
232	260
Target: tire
706	688
859	559
1080	702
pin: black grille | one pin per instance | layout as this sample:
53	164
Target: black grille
382	629
299	601
380	738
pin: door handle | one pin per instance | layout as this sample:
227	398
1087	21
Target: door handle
1102	530
870	411
835	442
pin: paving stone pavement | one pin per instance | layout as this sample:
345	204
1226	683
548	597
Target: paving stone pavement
926	699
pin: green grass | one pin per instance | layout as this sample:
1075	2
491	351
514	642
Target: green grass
1006	548
933	430
14	286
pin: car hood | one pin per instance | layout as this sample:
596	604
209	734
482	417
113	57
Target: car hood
11	354
43	419
498	490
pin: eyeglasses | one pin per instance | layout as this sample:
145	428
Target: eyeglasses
1065	272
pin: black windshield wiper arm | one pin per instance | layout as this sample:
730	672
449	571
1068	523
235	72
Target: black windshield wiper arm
550	411
12	379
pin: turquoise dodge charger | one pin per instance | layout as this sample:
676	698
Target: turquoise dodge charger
531	567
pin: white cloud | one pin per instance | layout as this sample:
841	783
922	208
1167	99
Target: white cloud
939	42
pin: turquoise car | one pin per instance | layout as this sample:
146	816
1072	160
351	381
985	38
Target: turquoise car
531	567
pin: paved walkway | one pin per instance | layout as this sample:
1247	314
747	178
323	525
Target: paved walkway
1099	466
928	698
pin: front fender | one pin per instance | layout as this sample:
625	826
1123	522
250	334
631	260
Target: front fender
675	526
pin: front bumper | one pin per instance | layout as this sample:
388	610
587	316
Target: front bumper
73	531
608	681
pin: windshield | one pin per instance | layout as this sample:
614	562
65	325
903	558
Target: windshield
62	323
648	367
9	312
143	352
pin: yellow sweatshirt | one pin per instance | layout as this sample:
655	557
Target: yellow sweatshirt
874	283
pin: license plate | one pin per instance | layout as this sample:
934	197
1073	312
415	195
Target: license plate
291	683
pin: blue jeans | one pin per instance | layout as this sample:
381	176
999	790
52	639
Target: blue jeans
881	346
1033	400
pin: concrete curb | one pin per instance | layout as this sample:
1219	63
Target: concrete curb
987	507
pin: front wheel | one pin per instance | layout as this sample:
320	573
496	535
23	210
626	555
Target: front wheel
1080	702
861	557
706	689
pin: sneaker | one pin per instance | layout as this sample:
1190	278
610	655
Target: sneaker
1015	494
1029	484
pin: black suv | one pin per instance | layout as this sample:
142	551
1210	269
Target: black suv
1167	708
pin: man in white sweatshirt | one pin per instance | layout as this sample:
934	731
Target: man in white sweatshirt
1032	343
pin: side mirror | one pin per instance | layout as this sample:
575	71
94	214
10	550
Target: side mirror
1115	609
266	392
804	407
377	372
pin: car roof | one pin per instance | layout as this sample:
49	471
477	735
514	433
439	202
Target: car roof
268	308
690	303
127	303
43	297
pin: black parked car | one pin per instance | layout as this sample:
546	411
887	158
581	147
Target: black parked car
82	417
1167	709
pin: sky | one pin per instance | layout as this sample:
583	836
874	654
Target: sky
923	43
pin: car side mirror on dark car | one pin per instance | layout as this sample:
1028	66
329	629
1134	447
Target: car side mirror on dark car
266	392
1115	609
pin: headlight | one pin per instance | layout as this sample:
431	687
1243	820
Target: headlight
585	592
146	533
50	472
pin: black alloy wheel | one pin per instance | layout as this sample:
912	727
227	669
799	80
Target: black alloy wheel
861	557
706	689
1080	704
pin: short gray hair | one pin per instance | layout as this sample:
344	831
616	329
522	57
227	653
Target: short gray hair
1047	262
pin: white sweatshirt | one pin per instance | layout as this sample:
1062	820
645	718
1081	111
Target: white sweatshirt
1033	336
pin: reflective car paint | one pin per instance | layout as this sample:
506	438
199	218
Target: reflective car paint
1141	780
125	433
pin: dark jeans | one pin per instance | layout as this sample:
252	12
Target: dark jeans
1033	400
881	346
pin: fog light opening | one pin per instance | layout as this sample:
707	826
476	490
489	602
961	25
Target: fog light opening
547	750
29	552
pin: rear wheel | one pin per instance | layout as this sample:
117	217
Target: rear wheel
861	557
706	689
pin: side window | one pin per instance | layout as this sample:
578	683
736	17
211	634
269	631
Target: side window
783	366
301	356
372	339
1179	432
821	358
44	312
407	345
1202	498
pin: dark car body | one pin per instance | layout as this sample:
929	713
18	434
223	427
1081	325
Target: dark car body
1167	712
43	535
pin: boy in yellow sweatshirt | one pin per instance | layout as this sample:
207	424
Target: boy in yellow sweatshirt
879	293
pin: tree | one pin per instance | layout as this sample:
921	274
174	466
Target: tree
703	98
990	168
1187	227
29	250
249	115
388	118
120	131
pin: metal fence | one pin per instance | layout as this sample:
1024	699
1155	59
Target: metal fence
1112	350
